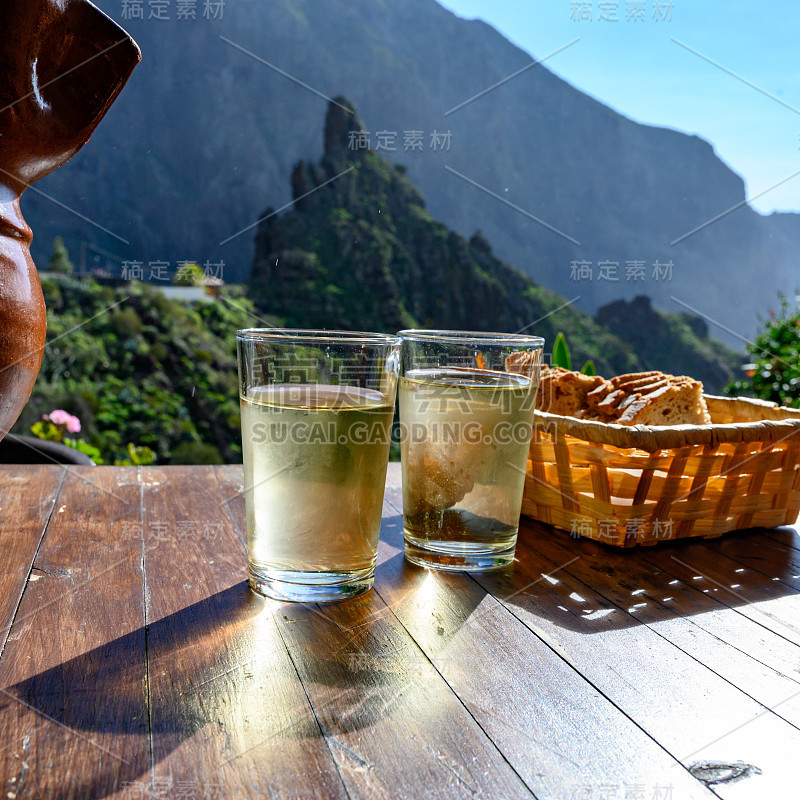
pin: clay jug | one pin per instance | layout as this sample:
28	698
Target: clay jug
62	65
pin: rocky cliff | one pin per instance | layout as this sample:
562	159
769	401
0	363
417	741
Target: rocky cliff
205	135
363	252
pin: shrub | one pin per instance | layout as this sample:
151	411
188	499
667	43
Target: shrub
774	373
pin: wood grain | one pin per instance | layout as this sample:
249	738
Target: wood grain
73	720
557	730
763	598
27	498
749	552
760	663
393	725
229	716
139	664
683	704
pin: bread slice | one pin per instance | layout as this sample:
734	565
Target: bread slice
678	403
524	362
650	398
636	398
564	392
604	399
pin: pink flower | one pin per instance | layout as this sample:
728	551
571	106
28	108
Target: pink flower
65	420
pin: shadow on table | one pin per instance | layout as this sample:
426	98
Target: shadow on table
379	652
224	663
103	692
591	587
230	663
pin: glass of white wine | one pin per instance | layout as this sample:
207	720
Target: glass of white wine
317	410
466	419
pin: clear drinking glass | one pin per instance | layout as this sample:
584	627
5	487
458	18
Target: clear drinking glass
317	410
466	419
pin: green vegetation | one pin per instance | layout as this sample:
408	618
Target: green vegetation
56	426
59	258
189	274
678	343
360	251
562	358
138	368
775	371
155	379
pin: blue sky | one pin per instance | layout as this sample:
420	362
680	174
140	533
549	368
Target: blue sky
637	69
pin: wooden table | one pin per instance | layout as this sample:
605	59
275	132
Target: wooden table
136	663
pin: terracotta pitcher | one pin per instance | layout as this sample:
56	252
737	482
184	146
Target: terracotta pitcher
62	65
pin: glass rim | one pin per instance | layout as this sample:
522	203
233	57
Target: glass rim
315	335
471	337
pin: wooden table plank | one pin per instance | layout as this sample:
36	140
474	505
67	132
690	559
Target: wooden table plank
726	642
536	681
773	604
27	498
752	550
694	713
73	718
758	550
231	481
229	716
787	535
557	731
394	726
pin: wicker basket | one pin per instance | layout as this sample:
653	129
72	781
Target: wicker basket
630	485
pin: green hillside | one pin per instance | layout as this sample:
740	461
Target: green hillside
204	137
359	250
680	341
136	367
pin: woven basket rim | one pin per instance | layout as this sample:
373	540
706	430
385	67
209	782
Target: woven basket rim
784	423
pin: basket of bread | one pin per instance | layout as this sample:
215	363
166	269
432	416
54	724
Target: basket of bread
647	457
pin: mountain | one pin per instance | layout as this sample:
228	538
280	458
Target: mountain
362	252
205	134
677	343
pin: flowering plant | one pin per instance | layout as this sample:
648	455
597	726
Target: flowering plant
55	426
63	420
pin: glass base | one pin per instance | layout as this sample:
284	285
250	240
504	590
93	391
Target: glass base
299	586
458	556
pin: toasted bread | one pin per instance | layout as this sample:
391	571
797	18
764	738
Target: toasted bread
639	398
564	392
